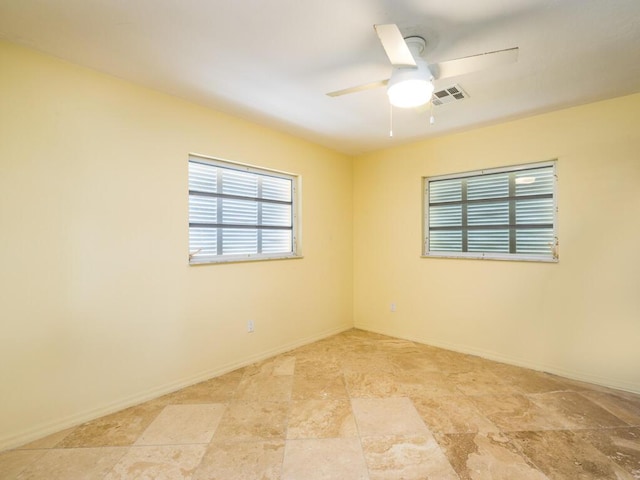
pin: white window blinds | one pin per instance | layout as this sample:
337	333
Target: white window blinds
501	213
238	212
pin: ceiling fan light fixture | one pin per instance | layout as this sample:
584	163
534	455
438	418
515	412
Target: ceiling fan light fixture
410	93
411	87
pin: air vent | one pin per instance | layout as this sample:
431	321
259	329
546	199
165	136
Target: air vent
449	94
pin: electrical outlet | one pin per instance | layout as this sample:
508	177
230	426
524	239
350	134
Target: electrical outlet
393	307
250	326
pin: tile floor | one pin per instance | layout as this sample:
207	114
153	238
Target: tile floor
355	406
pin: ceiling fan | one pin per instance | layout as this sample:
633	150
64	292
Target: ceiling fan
411	82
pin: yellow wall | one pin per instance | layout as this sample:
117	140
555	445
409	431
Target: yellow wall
99	306
579	317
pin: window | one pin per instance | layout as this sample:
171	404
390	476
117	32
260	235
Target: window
503	214
238	212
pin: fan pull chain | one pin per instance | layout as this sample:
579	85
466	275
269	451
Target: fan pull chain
390	121
432	119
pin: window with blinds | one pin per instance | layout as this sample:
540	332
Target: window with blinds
504	214
237	212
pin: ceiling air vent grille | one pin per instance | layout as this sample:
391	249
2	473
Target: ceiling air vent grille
449	94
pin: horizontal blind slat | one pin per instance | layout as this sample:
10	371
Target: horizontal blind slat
489	241
239	241
276	214
445	215
445	191
446	241
489	186
204	240
274	188
202	177
274	241
488	213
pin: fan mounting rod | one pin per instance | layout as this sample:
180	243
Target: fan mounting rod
416	45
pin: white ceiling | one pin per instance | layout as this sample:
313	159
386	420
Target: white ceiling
273	61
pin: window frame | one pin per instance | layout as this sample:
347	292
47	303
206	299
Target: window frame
295	215
553	257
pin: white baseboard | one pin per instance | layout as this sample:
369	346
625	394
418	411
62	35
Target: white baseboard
48	428
519	362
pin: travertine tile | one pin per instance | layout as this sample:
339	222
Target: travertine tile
50	441
527	381
575	411
387	416
625	408
324	459
315	418
374	384
73	464
217	390
452	414
324	365
579	386
620	445
355	334
515	412
119	429
564	455
413	362
182	424
413	457
319	386
159	462
487	457
264	388
242	460
482	382
285	366
253	421
15	461
454	363
391	344
425	383
353	362
280	365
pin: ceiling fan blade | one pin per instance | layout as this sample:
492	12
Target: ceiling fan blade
394	45
461	66
359	88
